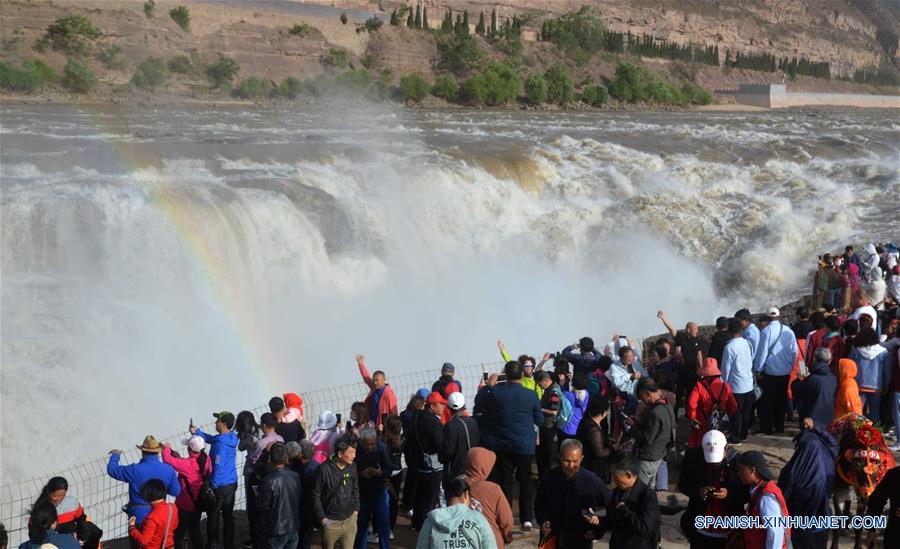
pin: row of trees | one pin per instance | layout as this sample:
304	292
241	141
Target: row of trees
453	22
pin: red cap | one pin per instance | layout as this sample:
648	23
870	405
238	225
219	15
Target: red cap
293	400
436	398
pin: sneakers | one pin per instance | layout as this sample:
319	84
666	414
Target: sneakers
409	514
392	536
527	526
373	538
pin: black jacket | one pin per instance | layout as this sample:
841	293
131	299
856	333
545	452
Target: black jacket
562	501
371	488
426	436
335	492
307	472
717	345
455	444
696	474
595	441
278	503
634	525
814	395
291	432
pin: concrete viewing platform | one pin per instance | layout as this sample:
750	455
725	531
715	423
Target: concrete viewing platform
776	96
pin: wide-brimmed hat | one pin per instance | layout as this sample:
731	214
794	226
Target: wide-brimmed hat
150	445
710	368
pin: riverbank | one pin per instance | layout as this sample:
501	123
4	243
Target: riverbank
271	44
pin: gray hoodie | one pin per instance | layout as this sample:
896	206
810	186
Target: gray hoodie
456	527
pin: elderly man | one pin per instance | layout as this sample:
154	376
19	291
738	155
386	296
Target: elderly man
688	352
138	473
568	497
374	467
814	394
774	359
625	372
381	400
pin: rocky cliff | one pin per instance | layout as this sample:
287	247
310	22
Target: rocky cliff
850	34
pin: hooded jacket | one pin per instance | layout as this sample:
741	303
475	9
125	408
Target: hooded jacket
189	476
455	526
701	402
806	480
846	400
814	394
488	495
874	367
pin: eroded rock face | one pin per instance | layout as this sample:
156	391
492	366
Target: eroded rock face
820	30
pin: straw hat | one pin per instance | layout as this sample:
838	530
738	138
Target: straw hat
150	445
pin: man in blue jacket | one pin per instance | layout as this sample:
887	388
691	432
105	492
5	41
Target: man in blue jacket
583	356
814	394
137	474
806	481
510	415
223	450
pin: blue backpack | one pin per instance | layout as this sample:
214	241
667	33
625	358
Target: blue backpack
565	409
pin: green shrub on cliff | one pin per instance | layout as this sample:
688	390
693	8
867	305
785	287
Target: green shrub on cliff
150	74
576	32
447	87
34	75
354	80
336	57
595	96
636	84
180	64
182	17
111	57
536	89
290	88
300	29
150	8
458	53
695	95
253	87
496	85
78	77
560	87
72	34
223	71
414	88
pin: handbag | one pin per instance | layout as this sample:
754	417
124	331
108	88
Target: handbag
431	461
718	419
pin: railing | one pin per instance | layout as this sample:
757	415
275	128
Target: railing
103	497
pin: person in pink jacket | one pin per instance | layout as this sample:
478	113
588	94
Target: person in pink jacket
191	471
381	400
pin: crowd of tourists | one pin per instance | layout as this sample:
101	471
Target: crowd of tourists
575	444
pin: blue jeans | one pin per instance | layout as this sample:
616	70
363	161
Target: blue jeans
871	401
284	541
381	509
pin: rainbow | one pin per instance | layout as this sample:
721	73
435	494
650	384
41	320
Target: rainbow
225	298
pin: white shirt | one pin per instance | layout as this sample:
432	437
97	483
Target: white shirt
864	310
769	507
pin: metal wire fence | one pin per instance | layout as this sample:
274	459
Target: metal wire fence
103	497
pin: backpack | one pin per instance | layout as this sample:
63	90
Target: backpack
718	419
206	497
565	409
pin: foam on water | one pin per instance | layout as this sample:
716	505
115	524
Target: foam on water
415	237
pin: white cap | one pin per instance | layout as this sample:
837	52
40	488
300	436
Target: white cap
327	420
713	446
773	312
195	443
456	401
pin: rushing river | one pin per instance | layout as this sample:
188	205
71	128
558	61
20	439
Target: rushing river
159	264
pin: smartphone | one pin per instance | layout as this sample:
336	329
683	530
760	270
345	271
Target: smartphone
338	416
501	378
484	376
192	422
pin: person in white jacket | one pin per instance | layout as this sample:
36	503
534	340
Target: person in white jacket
626	370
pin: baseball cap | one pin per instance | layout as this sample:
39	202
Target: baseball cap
423	392
225	417
195	443
436	398
456	401
757	461
773	312
713	446
447	367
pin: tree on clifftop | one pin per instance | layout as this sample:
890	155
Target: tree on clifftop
425	18
479	28
494	22
418	17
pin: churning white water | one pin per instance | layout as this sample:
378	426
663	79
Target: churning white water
164	264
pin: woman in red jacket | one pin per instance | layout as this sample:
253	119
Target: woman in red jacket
158	528
709	392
